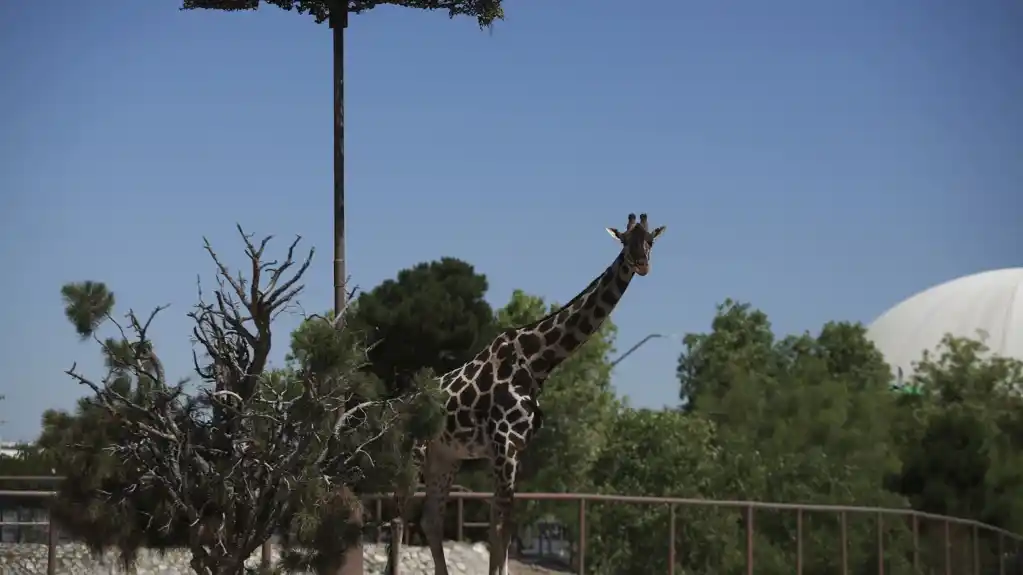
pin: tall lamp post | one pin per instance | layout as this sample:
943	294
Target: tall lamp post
629	351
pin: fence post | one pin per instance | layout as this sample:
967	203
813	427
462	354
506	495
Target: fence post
976	551
582	536
845	543
799	541
461	519
51	544
379	519
948	548
880	543
394	549
1001	553
749	539
916	542
671	539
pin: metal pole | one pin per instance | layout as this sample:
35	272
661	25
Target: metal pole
799	542
461	520
976	550
582	536
880	544
352	563
916	542
629	351
338	25
845	543
749	539
51	545
1001	553
671	539
947	541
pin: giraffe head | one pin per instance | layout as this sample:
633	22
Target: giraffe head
637	240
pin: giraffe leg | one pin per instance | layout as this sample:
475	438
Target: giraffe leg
509	438
438	474
502	523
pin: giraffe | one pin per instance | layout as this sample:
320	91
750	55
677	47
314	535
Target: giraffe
492	403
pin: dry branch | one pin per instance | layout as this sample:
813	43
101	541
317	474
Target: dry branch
243	453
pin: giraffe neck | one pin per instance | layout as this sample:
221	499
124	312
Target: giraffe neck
550	341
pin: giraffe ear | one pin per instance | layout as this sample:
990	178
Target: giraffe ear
658	232
614	233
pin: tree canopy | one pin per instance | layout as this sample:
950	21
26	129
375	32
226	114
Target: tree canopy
961	441
814	419
485	12
806	418
670	454
432	315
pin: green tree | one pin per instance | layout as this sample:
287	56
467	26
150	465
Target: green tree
807	419
430	318
78	446
663	453
250	453
432	315
335	13
414	414
962	440
317	342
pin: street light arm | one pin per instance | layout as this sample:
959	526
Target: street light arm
635	347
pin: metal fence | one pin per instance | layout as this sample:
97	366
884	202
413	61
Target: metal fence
937	544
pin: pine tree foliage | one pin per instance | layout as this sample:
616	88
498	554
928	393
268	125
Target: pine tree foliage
485	11
432	315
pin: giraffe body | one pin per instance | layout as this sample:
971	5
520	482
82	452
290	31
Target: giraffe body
492	400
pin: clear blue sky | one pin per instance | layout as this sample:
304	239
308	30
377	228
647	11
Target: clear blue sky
822	160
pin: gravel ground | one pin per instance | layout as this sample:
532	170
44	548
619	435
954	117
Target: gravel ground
75	559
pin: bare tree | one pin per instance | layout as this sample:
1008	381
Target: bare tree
249	453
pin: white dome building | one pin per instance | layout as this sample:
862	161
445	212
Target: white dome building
987	305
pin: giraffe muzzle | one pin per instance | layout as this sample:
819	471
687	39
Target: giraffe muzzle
642	268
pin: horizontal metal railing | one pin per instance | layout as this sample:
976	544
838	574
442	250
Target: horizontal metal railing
1006	541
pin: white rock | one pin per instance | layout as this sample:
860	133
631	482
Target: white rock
75	559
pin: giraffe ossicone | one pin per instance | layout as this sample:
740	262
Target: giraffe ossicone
492	400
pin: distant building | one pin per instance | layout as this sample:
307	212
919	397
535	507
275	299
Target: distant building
9	449
18	510
986	306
